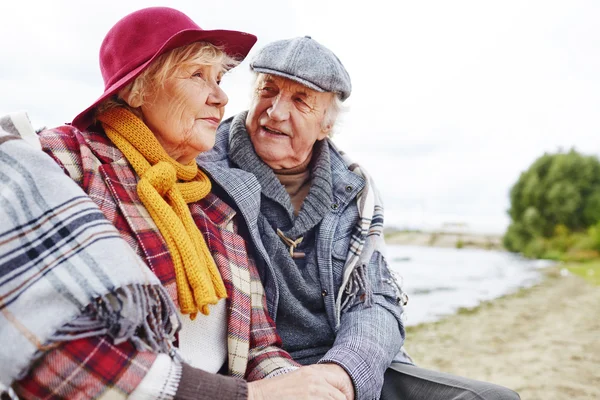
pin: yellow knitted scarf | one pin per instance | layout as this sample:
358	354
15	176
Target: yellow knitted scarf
165	188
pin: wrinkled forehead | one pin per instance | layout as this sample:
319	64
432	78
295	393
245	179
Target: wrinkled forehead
285	84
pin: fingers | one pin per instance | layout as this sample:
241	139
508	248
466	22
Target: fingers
303	384
336	394
338	377
323	381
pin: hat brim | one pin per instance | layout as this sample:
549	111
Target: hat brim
235	44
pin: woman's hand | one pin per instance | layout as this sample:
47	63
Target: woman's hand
310	382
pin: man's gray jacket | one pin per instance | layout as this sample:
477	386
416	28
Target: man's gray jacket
367	323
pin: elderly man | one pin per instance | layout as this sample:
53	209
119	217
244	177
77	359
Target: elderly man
316	223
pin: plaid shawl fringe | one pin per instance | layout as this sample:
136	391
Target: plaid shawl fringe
65	272
140	313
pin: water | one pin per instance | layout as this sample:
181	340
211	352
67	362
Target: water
439	281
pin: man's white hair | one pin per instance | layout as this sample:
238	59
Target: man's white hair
332	114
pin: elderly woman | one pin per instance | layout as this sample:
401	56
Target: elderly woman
317	224
133	152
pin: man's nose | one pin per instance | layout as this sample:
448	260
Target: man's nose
279	110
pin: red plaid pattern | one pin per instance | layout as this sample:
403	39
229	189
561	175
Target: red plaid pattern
89	368
86	369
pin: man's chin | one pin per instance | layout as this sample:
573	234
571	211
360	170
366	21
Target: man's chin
271	157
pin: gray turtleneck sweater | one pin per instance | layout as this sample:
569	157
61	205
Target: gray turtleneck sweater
301	317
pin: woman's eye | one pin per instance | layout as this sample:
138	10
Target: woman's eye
198	74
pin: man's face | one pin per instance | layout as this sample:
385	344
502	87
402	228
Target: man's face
285	120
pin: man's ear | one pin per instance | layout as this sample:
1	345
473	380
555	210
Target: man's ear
325	131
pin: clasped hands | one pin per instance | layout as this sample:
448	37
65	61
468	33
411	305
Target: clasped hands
318	381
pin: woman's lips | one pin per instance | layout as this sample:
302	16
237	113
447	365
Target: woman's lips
213	121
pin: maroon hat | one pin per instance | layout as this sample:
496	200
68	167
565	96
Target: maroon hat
140	37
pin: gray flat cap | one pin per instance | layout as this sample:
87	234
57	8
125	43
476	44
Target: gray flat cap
305	61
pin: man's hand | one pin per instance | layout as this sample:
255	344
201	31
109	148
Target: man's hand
310	382
341	378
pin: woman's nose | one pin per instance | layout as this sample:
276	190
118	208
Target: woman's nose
217	96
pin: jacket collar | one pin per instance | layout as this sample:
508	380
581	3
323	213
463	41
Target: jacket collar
316	203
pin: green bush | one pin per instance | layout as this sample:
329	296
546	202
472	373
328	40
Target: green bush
594	235
555	207
582	241
536	248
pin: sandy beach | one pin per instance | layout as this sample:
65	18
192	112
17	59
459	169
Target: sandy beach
543	342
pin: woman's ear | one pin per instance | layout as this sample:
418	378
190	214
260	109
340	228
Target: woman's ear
133	99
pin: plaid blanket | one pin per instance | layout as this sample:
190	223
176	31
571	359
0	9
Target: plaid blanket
59	286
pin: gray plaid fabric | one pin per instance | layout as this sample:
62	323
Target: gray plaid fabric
58	282
366	315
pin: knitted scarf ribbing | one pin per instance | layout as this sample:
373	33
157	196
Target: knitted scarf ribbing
198	280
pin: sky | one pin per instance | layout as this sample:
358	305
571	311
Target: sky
451	100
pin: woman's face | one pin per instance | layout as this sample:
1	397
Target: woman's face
186	110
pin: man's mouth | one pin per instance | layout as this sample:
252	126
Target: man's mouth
273	131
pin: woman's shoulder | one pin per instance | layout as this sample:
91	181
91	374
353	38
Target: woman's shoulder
62	138
69	139
78	152
67	136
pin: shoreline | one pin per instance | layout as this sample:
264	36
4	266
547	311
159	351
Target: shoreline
542	341
446	239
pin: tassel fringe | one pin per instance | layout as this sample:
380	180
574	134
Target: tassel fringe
143	314
358	283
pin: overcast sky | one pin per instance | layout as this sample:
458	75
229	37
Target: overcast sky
451	99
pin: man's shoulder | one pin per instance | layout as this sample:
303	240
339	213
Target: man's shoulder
342	165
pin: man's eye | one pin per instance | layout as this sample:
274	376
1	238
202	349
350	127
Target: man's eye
267	91
302	103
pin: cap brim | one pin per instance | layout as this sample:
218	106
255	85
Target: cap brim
235	44
288	76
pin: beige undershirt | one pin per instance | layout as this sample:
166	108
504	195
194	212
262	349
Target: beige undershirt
296	182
